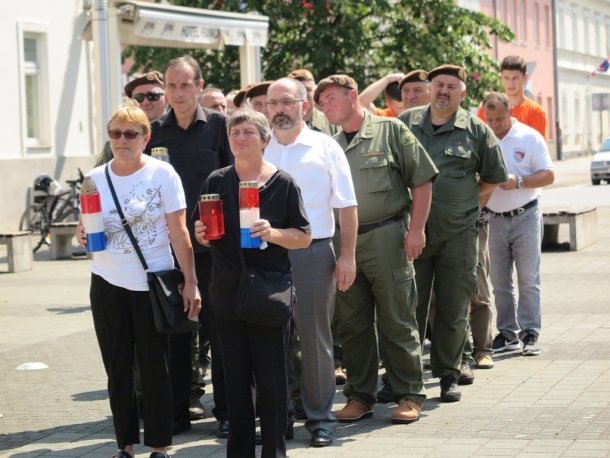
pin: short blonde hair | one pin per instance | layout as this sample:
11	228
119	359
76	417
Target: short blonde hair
131	113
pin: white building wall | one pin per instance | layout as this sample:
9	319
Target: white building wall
583	42
65	112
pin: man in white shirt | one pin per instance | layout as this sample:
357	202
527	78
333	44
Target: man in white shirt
320	168
515	229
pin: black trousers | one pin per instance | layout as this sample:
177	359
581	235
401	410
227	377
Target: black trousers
125	330
253	353
180	353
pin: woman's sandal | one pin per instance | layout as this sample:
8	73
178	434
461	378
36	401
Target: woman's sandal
122	454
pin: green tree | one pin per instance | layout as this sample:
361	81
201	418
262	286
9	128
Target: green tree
363	39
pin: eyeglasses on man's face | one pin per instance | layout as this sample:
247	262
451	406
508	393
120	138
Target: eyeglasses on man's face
150	96
283	102
128	134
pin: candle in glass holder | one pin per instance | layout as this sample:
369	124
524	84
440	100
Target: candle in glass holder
210	214
248	213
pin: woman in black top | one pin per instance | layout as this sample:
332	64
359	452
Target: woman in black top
253	352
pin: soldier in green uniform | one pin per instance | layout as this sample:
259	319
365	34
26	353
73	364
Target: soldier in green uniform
392	176
471	165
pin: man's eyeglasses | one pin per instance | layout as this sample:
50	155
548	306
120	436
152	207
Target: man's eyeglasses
128	134
283	102
150	96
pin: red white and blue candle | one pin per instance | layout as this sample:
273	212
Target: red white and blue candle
91	214
249	212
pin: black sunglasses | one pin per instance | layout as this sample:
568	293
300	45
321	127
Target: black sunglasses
150	96
128	134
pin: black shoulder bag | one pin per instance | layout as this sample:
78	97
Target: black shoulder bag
163	286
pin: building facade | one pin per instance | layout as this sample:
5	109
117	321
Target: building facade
583	44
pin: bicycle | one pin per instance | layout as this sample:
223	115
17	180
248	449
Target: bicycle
50	208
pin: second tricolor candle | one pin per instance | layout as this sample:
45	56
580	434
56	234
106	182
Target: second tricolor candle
248	213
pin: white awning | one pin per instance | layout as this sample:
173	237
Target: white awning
170	26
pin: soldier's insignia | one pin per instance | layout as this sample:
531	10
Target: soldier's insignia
407	138
491	142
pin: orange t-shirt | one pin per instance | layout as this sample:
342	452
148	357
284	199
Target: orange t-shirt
528	112
385	112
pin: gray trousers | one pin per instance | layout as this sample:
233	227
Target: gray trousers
313	275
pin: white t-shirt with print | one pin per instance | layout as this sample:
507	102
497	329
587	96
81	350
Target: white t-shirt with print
525	153
146	196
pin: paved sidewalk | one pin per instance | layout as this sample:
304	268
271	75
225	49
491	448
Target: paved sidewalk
556	404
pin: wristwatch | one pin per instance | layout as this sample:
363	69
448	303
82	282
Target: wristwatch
520	183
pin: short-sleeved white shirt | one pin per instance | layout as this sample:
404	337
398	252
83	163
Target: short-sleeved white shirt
525	153
320	168
146	196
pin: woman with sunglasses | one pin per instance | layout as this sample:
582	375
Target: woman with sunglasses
152	200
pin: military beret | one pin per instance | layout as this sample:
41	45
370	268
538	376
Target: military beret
448	69
414	76
257	89
301	75
154	77
241	94
344	81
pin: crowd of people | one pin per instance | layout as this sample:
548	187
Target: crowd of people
395	225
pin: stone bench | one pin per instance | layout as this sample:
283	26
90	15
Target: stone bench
582	221
19	250
61	239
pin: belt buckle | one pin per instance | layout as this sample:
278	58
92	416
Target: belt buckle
520	210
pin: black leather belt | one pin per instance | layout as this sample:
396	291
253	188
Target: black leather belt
516	211
325	239
364	228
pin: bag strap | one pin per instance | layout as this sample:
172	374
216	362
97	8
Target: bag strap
124	222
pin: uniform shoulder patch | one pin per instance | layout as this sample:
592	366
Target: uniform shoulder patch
407	137
491	141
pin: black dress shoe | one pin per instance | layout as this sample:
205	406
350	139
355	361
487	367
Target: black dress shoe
449	389
159	455
223	429
181	427
121	454
321	438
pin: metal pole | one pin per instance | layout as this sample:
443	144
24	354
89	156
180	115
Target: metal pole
101	57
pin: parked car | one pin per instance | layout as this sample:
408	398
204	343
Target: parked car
600	164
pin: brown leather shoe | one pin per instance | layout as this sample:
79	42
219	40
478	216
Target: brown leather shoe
353	411
407	412
485	362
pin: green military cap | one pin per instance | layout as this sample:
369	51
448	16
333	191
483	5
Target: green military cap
241	94
448	69
344	81
301	74
154	77
414	76
257	89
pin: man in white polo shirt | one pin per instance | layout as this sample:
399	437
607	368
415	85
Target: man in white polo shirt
320	168
515	228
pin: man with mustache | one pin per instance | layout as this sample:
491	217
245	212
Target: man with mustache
471	165
320	168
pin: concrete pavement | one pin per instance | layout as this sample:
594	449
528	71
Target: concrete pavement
555	404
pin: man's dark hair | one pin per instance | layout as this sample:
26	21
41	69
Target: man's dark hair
391	91
187	61
495	99
513	63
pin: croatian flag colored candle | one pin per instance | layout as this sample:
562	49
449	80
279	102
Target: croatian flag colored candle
248	213
91	214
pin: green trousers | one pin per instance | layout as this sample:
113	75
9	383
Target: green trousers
384	290
450	267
